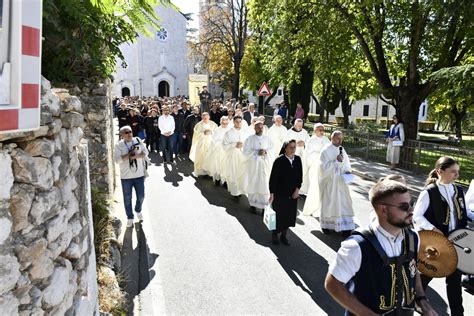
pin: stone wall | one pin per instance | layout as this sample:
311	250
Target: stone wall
96	105
47	258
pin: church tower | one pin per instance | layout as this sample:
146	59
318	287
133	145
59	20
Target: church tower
157	65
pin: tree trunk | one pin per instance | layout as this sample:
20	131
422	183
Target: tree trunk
236	81
458	118
301	92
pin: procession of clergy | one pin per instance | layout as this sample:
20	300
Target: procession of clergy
240	153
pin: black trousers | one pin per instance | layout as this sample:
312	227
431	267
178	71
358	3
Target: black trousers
453	291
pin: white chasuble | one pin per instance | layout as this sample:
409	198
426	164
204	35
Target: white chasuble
234	159
278	137
336	203
203	133
311	164
214	159
257	170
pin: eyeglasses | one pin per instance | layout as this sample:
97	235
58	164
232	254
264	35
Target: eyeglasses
127	132
405	207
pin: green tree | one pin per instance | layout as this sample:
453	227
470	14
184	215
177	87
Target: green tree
82	38
454	95
405	41
225	24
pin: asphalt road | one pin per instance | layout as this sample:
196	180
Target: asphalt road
209	255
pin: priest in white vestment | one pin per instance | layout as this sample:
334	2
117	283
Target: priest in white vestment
298	133
214	159
233	143
336	203
203	133
277	133
257	168
261	118
311	169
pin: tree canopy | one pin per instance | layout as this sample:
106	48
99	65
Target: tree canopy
82	38
397	43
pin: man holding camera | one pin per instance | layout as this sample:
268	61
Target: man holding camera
130	153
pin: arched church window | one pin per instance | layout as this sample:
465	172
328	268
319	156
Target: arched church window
162	34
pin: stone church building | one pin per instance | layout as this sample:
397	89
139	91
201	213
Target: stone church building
156	65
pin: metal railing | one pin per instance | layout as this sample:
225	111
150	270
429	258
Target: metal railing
416	156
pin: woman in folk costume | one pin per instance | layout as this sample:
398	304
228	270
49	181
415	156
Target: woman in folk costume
214	160
396	133
311	169
233	143
441	207
203	133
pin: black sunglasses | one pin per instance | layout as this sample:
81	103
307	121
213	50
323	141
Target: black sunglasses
127	132
405	207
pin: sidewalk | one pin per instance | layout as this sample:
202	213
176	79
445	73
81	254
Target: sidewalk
373	171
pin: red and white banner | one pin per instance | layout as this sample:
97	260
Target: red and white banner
23	112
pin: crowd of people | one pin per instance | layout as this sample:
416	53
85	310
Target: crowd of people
273	166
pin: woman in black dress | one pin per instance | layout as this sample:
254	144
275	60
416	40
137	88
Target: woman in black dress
285	182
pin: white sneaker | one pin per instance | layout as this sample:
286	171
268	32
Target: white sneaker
130	223
140	216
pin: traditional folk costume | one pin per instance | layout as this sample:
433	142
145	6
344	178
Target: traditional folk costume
336	203
393	152
443	206
368	263
301	135
311	166
214	160
257	170
278	137
234	160
201	142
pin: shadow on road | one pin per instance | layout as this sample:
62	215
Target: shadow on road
136	264
305	268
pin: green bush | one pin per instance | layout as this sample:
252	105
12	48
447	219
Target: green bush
383	122
313	117
340	120
364	120
427	125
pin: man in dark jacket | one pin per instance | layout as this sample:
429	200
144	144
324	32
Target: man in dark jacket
250	113
188	128
177	137
215	114
152	131
122	114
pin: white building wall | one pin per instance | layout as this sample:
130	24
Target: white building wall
152	59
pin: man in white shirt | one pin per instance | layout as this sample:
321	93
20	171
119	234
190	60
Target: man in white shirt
375	271
167	125
131	154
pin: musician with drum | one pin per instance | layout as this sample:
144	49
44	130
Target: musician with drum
375	271
441	208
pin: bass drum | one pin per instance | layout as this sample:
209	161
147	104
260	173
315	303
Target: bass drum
463	241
